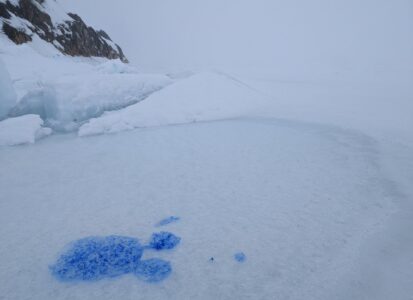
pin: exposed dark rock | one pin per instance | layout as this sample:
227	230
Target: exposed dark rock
16	35
3	11
72	37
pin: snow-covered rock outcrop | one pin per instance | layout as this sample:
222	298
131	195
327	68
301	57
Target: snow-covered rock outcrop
20	20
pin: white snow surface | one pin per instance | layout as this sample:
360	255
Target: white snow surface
55	11
311	179
202	97
298	199
22	130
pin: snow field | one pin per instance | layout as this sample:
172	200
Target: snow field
320	212
298	199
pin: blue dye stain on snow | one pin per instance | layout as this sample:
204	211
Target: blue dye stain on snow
94	258
164	241
240	257
167	221
153	270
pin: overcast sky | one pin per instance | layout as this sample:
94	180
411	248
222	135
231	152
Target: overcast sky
289	35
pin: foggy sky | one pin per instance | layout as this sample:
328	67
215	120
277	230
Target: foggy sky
275	36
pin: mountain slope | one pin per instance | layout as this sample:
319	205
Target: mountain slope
20	20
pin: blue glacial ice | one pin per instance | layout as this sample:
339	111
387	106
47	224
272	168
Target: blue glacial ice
163	241
153	270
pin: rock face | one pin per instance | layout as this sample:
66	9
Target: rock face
21	19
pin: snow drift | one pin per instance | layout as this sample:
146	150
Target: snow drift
202	97
66	91
22	130
71	99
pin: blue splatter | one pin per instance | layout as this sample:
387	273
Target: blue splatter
153	270
94	258
164	240
167	221
240	257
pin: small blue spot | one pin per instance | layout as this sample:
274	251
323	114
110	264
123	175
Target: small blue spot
167	221
240	257
94	258
164	240
153	270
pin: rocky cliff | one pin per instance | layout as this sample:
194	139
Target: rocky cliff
20	20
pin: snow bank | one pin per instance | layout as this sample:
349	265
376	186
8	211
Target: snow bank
22	130
202	97
115	66
69	100
66	91
7	94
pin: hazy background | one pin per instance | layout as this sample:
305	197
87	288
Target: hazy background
289	38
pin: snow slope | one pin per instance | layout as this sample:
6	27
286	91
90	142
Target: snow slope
69	100
202	97
66	91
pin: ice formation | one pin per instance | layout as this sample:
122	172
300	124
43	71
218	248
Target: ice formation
7	94
22	130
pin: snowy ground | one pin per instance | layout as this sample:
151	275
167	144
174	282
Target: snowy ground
298	199
310	179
